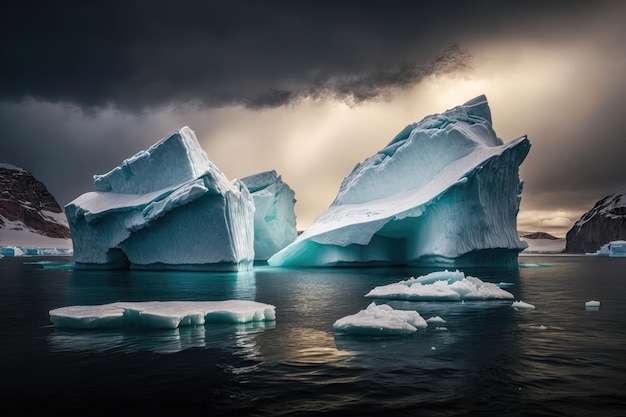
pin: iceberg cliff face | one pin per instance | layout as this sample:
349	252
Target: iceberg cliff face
445	191
167	207
274	216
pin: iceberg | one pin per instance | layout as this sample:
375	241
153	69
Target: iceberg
444	192
161	314
33	251
613	249
441	286
274	215
592	305
377	320
167	207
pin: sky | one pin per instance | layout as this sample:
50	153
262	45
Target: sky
311	88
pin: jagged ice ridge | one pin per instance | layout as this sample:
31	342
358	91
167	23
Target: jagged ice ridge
167	207
445	191
274	215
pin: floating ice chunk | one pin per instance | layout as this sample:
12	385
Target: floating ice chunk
435	319
592	305
445	191
443	286
274	215
161	314
521	305
505	284
380	320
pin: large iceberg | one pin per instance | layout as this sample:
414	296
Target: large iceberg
274	215
445	191
168	207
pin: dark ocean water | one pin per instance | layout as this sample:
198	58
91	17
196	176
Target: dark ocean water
556	360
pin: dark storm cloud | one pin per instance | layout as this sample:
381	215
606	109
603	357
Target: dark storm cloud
85	84
135	55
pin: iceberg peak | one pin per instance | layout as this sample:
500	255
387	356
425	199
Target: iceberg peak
167	207
445	191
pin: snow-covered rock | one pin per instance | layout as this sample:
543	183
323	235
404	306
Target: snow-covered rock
605	222
30	217
445	191
168	207
541	242
274	215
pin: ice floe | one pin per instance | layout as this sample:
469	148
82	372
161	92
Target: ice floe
380	320
443	286
161	314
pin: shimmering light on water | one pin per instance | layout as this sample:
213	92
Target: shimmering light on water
558	359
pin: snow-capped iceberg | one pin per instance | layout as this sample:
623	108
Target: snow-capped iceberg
442	286
274	215
380	320
445	191
161	314
168	207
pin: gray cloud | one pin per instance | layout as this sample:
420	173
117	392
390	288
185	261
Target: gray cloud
85	84
134	56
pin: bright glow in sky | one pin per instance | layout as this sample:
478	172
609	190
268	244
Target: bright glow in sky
272	94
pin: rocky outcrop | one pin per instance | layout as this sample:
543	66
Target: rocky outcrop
25	201
604	223
537	235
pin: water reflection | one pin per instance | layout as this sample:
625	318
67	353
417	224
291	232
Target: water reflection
240	338
100	287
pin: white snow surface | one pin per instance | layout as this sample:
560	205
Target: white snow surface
17	234
274	215
168	207
380	320
445	191
441	286
161	314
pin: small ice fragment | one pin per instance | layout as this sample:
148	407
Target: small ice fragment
435	319
521	305
433	348
441	328
592	305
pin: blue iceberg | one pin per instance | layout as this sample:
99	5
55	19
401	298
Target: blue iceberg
274	215
168	207
444	192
